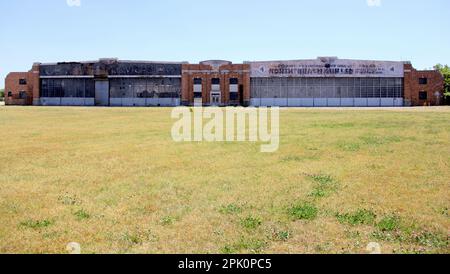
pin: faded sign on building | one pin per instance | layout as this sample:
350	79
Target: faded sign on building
327	67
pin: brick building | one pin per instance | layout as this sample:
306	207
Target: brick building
321	82
215	83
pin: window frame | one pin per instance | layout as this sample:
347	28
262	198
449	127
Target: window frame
198	81
423	98
215	81
423	81
234	81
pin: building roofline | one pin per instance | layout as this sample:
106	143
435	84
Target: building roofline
115	60
329	57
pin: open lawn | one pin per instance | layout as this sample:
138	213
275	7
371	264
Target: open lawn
113	180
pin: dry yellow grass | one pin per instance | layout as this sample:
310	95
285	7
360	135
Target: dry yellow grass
113	180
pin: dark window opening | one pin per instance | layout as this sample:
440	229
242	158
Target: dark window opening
22	95
423	95
234	96
22	81
9	93
198	95
234	81
197	81
423	81
215	81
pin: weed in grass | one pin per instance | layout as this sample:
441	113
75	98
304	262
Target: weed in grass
82	214
319	192
36	224
360	217
429	239
282	235
303	211
137	237
350	147
444	211
321	179
251	222
389	223
334	125
325	185
377	140
68	199
292	158
167	220
228	249
230	209
250	245
131	238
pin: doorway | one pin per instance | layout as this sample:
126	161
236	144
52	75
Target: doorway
102	93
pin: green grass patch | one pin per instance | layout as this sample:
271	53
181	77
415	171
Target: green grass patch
230	209
380	140
167	220
82	214
36	224
251	222
303	211
324	185
350	147
389	223
249	245
360	217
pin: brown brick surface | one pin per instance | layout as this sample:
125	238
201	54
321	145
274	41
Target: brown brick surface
412	87
208	72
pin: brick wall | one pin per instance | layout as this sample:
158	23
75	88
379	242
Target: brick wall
413	87
14	87
207	72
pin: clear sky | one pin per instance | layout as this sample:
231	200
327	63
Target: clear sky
235	30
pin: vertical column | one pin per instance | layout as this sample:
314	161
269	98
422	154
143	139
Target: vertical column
35	83
246	83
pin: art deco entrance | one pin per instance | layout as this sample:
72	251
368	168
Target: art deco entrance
216	93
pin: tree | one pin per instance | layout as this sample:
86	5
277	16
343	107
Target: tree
2	93
445	70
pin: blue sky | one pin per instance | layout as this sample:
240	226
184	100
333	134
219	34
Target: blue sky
235	30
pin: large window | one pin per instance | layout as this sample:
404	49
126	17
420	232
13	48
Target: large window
326	87
215	81
22	81
70	88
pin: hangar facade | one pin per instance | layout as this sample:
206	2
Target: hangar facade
321	82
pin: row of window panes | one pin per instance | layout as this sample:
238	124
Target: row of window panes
327	81
71	88
328	92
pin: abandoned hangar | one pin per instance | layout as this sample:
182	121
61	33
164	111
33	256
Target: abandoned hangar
321	82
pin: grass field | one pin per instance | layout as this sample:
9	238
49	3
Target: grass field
113	180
